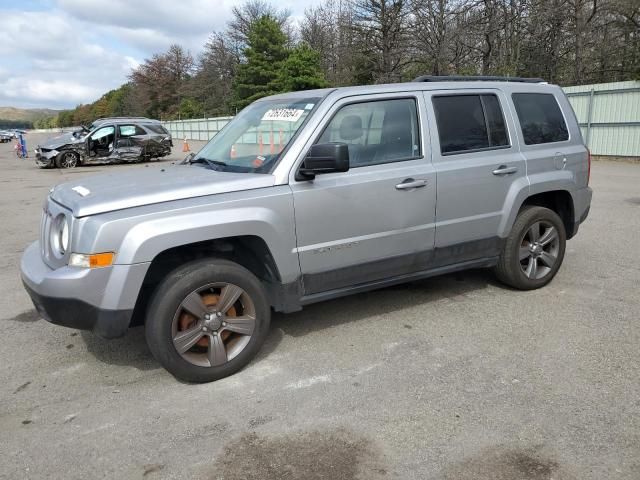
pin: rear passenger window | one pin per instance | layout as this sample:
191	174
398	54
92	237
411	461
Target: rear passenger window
540	118
469	122
495	121
127	130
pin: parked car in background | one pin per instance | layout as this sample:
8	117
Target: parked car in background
358	188
106	140
5	136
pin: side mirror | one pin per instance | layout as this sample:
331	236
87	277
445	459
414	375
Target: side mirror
324	158
188	158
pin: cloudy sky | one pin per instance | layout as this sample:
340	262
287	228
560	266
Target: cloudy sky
59	53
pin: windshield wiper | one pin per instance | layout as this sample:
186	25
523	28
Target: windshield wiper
208	161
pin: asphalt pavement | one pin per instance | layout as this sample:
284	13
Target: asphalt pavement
455	377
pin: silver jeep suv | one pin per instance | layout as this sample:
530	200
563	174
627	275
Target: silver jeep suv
309	196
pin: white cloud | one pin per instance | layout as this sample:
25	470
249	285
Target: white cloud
152	41
47	91
80	49
55	61
166	16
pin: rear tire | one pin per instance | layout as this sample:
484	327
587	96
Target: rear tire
207	320
534	250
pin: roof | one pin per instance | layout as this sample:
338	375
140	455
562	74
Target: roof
125	120
529	85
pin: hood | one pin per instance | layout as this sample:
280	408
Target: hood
60	140
146	186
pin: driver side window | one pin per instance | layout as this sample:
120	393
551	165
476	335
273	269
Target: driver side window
102	132
377	132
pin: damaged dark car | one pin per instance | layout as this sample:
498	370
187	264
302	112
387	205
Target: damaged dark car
106	140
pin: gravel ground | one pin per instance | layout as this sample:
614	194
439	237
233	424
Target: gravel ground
450	378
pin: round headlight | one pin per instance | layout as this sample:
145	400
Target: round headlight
60	235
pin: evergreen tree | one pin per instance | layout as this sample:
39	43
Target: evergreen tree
190	108
266	51
301	70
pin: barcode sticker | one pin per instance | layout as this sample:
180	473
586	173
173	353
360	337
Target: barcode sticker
283	114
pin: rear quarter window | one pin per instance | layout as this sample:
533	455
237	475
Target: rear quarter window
540	118
156	128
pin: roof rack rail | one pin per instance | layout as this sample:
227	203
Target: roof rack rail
124	118
471	78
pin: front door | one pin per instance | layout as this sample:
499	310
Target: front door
478	164
377	220
100	143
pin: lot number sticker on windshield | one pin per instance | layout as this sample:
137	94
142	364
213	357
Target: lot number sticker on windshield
283	114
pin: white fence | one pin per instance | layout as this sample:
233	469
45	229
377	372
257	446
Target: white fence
196	129
609	115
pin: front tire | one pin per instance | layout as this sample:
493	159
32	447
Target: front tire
67	160
207	320
534	250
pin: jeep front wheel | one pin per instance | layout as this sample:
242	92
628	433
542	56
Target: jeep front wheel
534	250
207	320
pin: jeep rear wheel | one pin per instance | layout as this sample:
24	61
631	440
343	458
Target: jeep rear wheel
67	160
207	320
534	250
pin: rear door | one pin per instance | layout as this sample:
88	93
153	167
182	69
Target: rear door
130	142
157	139
377	220
478	163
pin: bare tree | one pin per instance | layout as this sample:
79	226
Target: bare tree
383	29
328	28
436	34
216	71
161	80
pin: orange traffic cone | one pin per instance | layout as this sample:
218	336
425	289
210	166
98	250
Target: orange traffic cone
185	146
233	153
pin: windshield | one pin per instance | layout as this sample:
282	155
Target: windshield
255	138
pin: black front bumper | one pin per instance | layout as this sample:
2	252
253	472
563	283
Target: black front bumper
43	161
73	313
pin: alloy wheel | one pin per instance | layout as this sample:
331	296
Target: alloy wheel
68	160
539	250
213	324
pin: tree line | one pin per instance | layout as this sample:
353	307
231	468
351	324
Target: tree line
350	42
